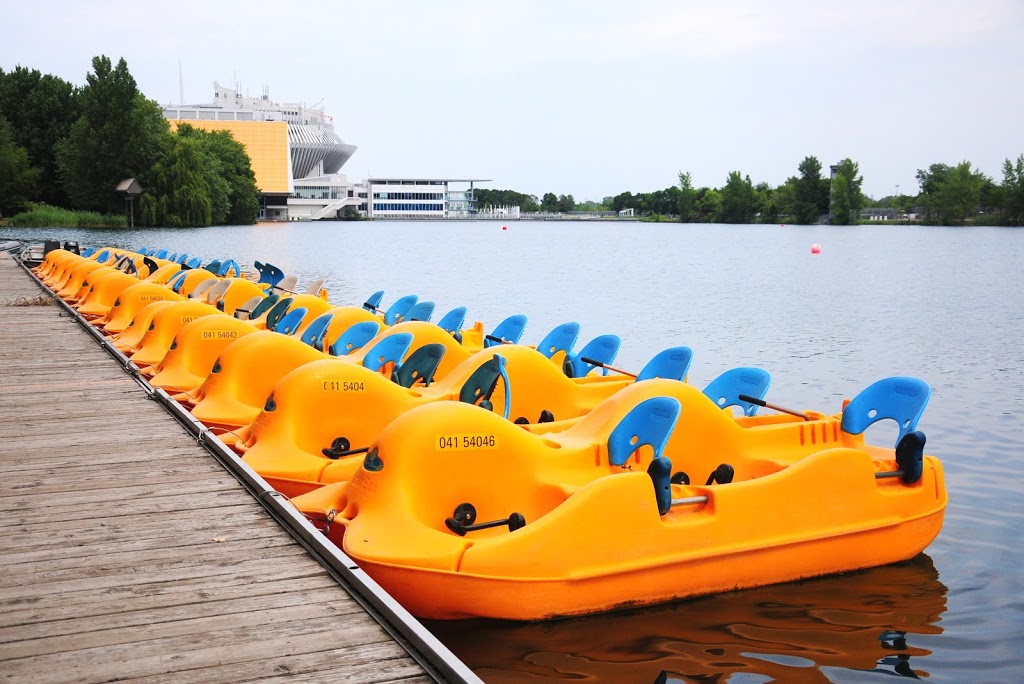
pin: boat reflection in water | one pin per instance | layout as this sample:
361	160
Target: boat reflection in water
865	621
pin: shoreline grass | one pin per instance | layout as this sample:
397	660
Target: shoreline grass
54	217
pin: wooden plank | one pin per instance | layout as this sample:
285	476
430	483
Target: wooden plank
128	552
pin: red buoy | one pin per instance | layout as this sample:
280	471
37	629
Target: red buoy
815	249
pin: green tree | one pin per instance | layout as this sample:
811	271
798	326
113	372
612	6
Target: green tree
764	203
40	109
624	200
687	208
808	190
179	192
120	134
951	194
236	202
709	206
566	203
846	194
18	178
505	198
1012	199
549	202
738	200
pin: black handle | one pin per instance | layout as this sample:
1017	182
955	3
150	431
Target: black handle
753	400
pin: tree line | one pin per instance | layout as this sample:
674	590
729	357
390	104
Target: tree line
948	195
69	146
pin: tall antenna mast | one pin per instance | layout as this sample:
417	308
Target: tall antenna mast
181	87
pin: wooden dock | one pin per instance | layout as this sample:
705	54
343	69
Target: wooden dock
129	553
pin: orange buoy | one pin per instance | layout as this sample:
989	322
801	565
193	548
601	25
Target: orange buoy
815	249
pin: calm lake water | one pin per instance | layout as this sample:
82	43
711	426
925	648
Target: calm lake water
942	304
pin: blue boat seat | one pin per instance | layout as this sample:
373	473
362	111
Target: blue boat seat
176	280
277	311
509	330
213	266
726	388
420	311
354	338
372	302
421	365
89	251
227	267
649	423
391	349
181	259
898	398
603	348
672	363
289	323
452	321
314	333
263	305
397	310
480	384
194	262
269	274
162	254
561	339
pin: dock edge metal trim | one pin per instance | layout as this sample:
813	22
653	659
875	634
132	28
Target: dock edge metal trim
426	649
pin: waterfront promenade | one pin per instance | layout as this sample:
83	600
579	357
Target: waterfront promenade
128	552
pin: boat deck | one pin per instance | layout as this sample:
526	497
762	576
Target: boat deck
128	552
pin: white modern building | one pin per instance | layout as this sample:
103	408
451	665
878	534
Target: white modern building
421	198
297	157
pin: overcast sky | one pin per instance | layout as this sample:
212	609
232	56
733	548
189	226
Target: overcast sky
588	97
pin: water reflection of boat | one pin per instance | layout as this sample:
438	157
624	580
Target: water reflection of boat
865	620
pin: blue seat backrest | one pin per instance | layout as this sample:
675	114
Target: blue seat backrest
213	266
194	262
649	424
452	321
145	251
226	268
176	280
511	330
181	259
289	323
264	304
315	331
103	256
391	349
372	302
173	257
899	398
562	338
726	388
603	348
420	365
399	309
269	273
89	251
355	337
162	254
672	363
277	311
420	311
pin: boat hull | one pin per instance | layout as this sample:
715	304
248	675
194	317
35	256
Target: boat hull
440	595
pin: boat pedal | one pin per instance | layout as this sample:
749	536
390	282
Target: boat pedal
514	521
546	417
723	474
